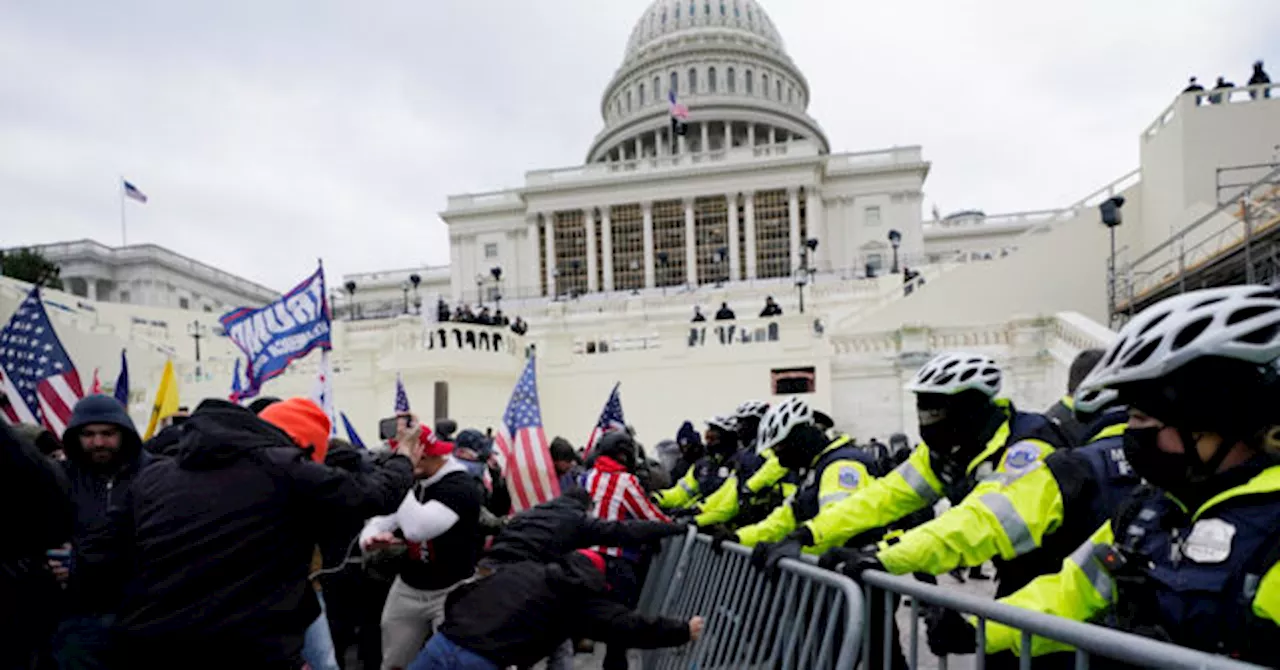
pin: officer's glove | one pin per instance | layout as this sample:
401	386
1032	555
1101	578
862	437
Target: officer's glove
834	558
685	514
719	536
852	562
768	555
949	632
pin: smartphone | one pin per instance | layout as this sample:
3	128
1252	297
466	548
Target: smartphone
387	427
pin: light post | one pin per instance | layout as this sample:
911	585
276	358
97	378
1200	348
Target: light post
197	330
555	284
479	291
804	274
496	273
404	288
351	299
416	279
635	268
663	259
895	239
722	259
1109	211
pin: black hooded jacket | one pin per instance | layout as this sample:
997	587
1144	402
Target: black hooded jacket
519	613
561	525
212	547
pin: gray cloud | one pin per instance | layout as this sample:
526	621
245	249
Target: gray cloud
269	134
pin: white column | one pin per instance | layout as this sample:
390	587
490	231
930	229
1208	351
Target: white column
690	245
815	220
606	243
705	137
793	210
735	263
589	222
529	275
751	134
91	288
773	135
749	210
550	224
639	146
647	208
728	135
683	143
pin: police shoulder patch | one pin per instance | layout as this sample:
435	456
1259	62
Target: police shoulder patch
849	477
1022	457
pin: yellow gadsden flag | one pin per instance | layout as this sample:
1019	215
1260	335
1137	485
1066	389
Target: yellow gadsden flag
166	399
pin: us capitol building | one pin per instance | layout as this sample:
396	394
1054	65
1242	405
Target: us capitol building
607	260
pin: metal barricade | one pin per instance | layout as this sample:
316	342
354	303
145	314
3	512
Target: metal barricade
806	618
1089	640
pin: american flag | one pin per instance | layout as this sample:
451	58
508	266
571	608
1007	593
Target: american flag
132	192
36	374
610	418
402	399
678	110
523	445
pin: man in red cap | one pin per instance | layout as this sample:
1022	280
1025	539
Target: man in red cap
438	527
206	556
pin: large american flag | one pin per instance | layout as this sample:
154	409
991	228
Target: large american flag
523	445
36	374
610	418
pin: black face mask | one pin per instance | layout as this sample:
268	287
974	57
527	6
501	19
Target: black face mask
800	448
959	433
1160	468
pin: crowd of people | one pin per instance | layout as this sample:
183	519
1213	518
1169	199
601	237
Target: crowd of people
1145	499
1258	77
464	314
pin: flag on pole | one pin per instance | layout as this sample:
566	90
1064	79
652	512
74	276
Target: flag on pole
679	116
132	192
121	391
274	336
523	445
166	402
236	390
610	419
95	386
402	399
322	392
352	436
37	376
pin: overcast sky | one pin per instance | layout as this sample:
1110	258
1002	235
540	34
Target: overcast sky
271	133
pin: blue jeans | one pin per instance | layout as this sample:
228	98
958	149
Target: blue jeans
82	642
317	646
442	654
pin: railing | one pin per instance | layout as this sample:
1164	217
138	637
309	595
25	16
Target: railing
807	618
1222	231
699	335
450	336
1230	96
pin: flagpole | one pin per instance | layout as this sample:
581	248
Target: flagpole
124	234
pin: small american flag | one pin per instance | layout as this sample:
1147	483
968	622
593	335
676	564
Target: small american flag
36	374
610	418
678	110
402	399
523	445
132	192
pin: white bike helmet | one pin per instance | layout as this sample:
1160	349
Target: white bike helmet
726	424
1236	322
781	420
1089	401
952	373
751	408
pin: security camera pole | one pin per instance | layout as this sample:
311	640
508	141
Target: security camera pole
1111	218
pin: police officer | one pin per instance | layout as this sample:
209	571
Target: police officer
832	471
724	458
1063	411
753	490
1192	556
974	446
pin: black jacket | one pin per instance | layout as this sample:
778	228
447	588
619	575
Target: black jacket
212	548
94	490
520	612
548	531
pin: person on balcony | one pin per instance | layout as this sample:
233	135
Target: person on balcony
1217	97
1192	557
724	313
698	317
771	308
1259	78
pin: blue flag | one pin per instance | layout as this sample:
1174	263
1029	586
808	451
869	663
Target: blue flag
122	382
352	436
283	331
236	391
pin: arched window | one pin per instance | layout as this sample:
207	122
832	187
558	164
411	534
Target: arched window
693	81
664	17
723	12
657	88
778	85
677	13
737	13
764	85
751	83
731	81
711	80
619	105
641	92
707	8
675	83
628	102
791	94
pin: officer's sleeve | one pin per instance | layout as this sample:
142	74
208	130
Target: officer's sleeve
720	506
911	486
1080	590
1266	603
1007	515
780	522
770	472
839	482
680	495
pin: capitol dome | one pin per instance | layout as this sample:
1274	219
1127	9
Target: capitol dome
726	62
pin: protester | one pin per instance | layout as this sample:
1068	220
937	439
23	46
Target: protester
346	586
35	487
437	526
230	524
771	308
567	463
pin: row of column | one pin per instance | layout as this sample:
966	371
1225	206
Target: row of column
662	140
813	207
